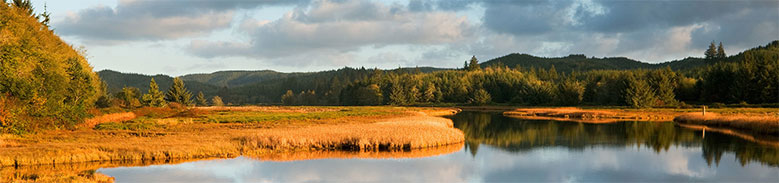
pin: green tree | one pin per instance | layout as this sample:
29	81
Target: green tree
664	82
200	99
217	101
721	51
711	53
129	97
369	95
154	98
481	97
473	65
570	92
638	93
24	5
397	96
178	93
430	93
288	98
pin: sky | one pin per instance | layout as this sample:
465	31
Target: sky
177	37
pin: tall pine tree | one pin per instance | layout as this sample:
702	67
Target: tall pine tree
178	93
155	98
473	65
201	100
711	53
721	51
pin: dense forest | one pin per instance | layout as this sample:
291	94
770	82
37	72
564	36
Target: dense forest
749	77
44	82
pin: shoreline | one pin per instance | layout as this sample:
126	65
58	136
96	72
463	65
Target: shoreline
411	129
588	115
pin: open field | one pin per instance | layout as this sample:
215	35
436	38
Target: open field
228	132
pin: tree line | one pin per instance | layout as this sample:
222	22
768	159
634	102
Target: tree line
751	77
131	97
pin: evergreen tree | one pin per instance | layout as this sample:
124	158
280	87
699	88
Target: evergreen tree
430	93
664	82
721	51
178	93
201	100
25	5
46	15
481	97
155	98
473	65
570	92
413	95
711	53
129	97
217	101
397	96
288	98
638	93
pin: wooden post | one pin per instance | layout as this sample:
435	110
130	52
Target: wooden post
704	110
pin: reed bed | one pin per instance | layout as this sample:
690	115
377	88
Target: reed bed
589	115
197	140
113	117
329	154
757	124
397	133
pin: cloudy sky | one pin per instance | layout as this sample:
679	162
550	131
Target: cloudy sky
177	37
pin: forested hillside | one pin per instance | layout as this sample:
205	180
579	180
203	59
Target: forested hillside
44	82
572	80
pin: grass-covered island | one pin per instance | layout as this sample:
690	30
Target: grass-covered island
177	134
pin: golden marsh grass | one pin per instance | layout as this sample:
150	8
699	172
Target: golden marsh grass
762	124
195	138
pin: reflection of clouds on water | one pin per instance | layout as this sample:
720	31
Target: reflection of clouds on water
550	164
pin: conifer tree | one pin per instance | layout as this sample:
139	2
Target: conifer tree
397	96
481	97
155	98
429	94
201	100
721	51
128	97
178	93
217	101
288	98
473	65
638	94
711	53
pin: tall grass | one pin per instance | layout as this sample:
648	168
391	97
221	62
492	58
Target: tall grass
188	139
588	115
763	124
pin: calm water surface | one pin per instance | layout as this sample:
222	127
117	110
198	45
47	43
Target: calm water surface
501	149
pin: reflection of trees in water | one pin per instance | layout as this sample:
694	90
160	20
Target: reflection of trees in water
715	145
517	135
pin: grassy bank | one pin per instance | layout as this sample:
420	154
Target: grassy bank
86	171
227	132
590	115
759	124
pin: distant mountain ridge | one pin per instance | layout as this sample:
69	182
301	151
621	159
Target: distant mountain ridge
267	85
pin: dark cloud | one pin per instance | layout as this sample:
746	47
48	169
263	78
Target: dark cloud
155	20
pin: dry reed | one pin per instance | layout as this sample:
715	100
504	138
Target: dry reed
203	140
758	124
588	116
113	117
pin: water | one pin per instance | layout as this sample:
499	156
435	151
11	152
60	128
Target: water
501	149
